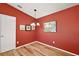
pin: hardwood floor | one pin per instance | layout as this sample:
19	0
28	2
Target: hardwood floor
35	49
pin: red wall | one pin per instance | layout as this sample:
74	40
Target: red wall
21	18
67	35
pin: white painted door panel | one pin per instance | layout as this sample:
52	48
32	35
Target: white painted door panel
7	33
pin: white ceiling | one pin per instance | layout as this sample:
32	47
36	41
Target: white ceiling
43	9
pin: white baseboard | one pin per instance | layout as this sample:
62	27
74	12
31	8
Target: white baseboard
22	46
57	48
26	44
48	46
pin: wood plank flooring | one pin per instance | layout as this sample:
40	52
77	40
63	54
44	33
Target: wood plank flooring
35	49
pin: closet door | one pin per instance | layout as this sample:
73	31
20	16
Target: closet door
7	33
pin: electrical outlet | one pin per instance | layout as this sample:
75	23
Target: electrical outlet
17	42
53	42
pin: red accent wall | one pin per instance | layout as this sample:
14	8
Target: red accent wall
67	35
21	18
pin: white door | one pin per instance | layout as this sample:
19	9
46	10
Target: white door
7	33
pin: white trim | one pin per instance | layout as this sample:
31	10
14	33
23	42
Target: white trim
23	45
26	44
48	46
57	48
